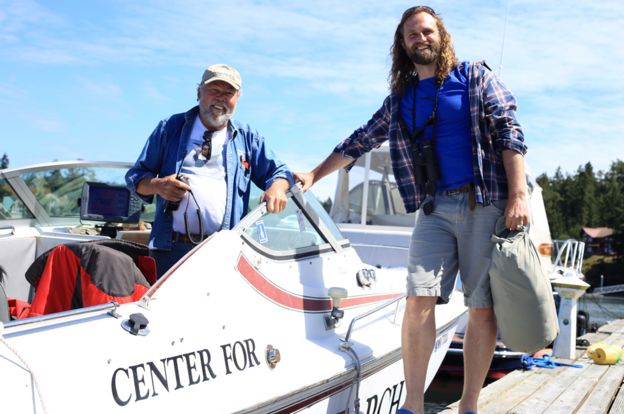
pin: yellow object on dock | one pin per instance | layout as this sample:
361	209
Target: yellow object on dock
604	354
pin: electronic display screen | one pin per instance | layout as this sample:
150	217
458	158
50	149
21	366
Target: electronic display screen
110	203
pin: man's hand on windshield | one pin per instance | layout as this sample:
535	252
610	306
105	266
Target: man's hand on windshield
275	196
306	180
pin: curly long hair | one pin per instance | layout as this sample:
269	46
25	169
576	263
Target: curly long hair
403	71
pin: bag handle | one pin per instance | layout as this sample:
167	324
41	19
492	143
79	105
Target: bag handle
503	234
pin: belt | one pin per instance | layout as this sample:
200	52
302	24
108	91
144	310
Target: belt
183	238
466	188
463	189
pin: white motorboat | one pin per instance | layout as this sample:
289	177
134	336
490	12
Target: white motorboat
278	315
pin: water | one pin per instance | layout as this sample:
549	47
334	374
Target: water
602	309
446	389
443	390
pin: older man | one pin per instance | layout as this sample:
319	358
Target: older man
200	164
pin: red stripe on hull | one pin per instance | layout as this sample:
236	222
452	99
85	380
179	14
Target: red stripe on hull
299	302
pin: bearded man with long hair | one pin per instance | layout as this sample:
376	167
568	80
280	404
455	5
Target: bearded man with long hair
457	154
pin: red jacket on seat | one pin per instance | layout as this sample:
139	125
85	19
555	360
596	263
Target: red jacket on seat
75	275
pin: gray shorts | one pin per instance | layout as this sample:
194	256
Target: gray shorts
453	238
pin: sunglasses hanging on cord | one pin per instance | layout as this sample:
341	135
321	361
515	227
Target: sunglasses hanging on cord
206	148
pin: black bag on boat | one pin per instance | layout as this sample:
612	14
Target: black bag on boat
523	298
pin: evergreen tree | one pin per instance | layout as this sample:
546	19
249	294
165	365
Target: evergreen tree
327	204
4	161
585	199
618	242
586	186
612	200
559	205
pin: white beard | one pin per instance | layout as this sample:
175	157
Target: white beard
215	121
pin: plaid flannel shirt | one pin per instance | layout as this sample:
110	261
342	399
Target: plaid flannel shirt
494	128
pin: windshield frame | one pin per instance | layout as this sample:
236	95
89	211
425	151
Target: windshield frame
328	231
14	177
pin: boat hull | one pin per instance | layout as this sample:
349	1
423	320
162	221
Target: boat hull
211	348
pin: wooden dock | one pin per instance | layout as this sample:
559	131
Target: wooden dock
595	389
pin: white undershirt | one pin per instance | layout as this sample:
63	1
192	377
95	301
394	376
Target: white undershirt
207	181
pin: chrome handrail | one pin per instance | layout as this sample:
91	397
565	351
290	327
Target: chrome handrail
370	312
7	227
569	254
59	315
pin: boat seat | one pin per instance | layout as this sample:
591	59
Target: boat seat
18	249
4	303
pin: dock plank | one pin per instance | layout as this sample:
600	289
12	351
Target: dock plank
511	397
618	404
617	339
604	392
613	327
549	391
495	389
595	337
576	393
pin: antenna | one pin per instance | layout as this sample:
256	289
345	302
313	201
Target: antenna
500	64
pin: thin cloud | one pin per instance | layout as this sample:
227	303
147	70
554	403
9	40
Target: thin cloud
101	88
50	125
20	17
9	93
153	93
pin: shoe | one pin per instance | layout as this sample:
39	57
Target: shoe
404	411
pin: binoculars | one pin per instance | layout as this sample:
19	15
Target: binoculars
427	172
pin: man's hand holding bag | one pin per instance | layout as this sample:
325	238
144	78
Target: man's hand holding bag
521	292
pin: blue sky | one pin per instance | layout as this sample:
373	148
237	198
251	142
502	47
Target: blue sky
90	79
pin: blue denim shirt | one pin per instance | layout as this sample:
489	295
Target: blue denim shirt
165	150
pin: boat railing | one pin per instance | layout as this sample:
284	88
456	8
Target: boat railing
7	230
569	257
111	307
370	312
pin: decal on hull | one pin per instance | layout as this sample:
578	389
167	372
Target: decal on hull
298	302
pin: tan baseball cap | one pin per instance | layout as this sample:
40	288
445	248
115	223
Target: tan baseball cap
223	73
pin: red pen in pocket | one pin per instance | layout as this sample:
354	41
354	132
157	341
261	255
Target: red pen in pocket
244	163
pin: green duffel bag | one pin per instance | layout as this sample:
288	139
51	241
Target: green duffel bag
521	292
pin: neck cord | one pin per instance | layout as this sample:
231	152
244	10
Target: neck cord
199	220
431	120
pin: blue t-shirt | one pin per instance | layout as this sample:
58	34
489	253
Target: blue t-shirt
452	124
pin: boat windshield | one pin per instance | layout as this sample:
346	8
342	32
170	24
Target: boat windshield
11	206
303	224
51	193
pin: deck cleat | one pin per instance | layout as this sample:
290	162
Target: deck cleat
337	294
